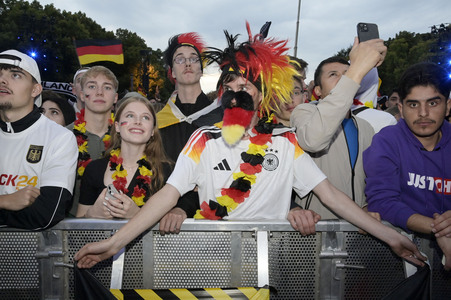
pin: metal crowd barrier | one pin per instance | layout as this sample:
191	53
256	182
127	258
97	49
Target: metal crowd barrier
336	263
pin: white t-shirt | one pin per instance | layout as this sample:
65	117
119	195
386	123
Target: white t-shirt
209	163
45	154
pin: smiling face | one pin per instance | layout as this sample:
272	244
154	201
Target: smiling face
98	94
424	110
17	92
188	72
52	111
135	124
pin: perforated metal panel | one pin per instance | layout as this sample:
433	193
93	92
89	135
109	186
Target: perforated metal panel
384	270
133	265
249	268
293	264
19	271
214	254
192	260
76	240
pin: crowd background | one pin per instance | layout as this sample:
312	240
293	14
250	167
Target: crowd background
30	27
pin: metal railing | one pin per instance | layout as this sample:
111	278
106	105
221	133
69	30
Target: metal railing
336	263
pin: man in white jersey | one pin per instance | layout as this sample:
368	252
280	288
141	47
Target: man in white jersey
38	156
261	162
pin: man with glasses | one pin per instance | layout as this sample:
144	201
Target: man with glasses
298	95
187	108
330	133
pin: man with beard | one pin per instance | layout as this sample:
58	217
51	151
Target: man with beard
407	165
38	156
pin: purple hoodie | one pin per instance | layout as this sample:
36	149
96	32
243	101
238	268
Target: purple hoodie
403	178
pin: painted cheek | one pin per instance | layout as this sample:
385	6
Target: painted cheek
124	123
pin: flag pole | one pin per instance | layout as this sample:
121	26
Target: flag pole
75	47
297	29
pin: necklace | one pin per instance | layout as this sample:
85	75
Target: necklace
240	187
142	187
84	158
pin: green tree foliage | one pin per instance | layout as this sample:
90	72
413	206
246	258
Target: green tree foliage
344	52
51	33
404	50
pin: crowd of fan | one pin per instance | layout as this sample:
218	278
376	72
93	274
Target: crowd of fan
330	149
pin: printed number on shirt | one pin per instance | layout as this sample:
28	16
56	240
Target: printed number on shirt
18	181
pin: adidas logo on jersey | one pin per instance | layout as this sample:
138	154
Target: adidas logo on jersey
223	166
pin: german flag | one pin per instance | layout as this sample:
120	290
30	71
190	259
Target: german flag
90	51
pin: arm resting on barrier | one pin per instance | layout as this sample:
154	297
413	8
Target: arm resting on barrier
188	205
423	224
442	224
445	245
20	199
341	204
154	209
47	209
303	220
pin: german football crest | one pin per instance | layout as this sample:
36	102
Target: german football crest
34	154
271	162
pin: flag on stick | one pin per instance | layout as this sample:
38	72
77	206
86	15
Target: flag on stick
90	51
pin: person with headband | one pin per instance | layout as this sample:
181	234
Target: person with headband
247	168
188	108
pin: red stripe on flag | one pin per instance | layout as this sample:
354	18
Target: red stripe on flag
105	50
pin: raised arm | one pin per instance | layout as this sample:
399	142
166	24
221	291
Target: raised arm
316	125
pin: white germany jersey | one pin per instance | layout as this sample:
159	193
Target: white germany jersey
209	163
45	154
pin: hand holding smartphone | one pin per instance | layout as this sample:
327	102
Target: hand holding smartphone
367	31
111	191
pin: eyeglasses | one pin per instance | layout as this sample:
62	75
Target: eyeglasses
181	60
299	93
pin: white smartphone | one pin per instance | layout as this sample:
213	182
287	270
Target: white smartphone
111	190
